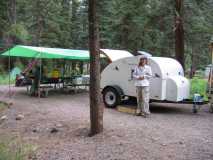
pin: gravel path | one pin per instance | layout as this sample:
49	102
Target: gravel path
172	132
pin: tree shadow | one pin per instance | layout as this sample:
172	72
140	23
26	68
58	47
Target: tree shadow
166	108
169	109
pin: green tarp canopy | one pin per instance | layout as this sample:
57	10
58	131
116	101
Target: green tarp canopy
48	53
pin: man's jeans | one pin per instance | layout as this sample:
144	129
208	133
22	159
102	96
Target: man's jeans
143	99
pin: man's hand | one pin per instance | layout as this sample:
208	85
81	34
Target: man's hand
141	78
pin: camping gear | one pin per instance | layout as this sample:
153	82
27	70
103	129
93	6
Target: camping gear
39	53
22	81
15	71
77	81
85	79
197	98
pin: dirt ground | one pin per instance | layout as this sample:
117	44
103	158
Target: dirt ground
59	126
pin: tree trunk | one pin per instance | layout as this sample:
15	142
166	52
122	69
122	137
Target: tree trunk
11	15
192	69
179	32
74	25
39	23
12	11
96	109
125	29
65	25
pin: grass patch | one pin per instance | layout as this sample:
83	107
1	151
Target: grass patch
4	79
3	106
13	149
199	85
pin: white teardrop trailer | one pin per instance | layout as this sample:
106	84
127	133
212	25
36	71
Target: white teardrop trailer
168	83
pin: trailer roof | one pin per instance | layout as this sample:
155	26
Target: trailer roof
114	55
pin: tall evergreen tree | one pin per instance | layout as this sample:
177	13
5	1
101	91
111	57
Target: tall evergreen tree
64	20
179	32
96	109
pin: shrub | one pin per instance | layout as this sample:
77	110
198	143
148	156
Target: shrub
4	79
199	85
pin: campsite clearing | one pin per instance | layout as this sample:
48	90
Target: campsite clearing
59	125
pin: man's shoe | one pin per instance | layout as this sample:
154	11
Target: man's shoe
148	114
138	114
143	115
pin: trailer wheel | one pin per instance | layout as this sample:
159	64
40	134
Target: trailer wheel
111	97
211	108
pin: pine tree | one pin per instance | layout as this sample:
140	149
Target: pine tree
96	109
179	32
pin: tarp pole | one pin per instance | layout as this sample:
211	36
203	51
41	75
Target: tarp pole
39	90
211	69
63	78
9	63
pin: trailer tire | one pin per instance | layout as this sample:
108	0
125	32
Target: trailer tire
111	97
211	108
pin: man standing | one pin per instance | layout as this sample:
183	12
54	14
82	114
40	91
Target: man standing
142	74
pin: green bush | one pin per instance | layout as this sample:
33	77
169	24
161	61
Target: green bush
4	79
199	86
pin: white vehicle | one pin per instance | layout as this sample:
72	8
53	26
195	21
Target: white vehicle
167	84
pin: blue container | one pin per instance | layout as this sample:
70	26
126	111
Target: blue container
197	98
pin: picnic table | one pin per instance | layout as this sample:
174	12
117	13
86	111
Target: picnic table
62	83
